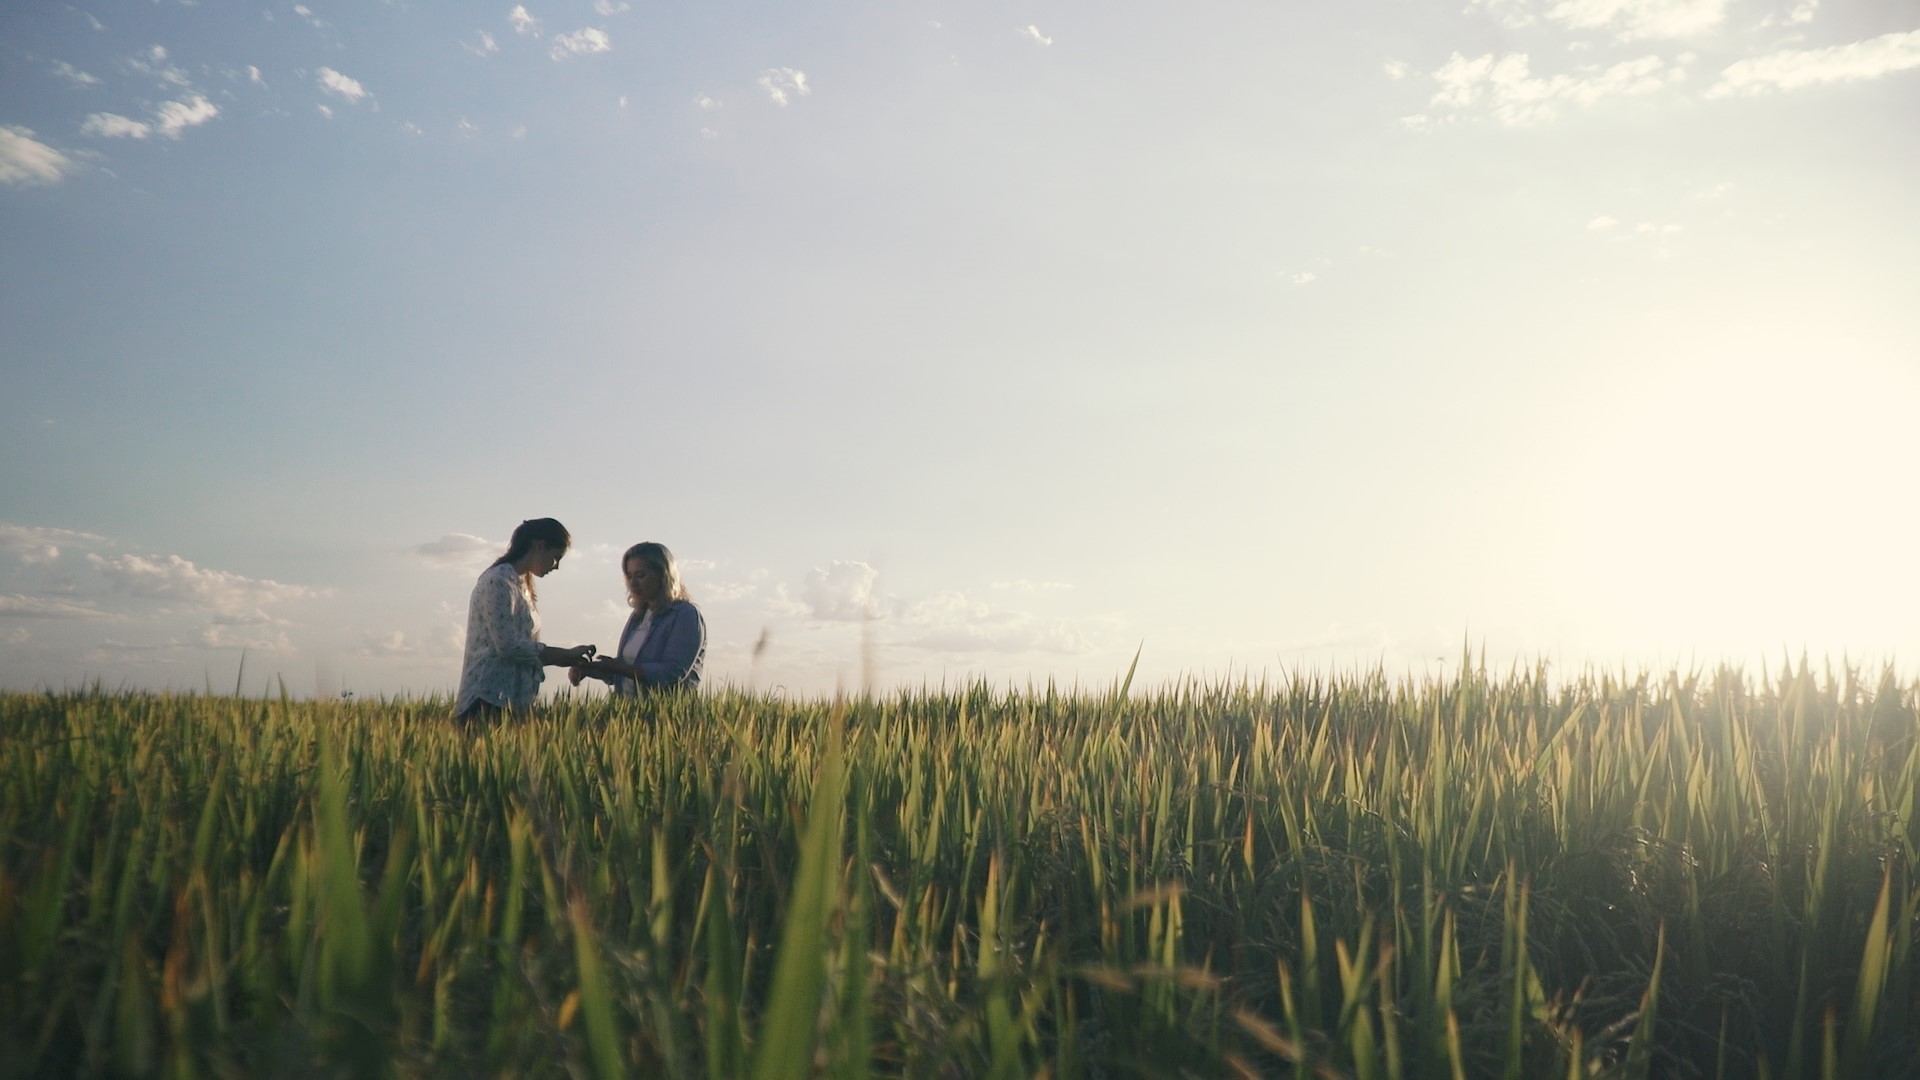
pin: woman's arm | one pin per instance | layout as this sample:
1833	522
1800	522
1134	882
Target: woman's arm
683	641
506	636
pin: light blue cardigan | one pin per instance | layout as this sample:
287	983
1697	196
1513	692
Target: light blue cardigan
672	653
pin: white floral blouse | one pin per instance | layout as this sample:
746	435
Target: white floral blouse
502	665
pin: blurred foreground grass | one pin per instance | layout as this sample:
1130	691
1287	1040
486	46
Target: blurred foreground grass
1478	875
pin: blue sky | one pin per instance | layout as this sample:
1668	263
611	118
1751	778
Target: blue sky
959	339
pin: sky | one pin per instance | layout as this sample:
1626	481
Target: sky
949	341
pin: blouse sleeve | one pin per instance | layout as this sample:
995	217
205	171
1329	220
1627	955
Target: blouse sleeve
685	643
509	634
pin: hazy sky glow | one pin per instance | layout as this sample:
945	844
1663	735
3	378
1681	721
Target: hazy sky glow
1003	337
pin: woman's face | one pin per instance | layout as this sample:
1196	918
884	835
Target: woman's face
545	559
643	582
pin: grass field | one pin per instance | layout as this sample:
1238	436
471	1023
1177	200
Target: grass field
1693	875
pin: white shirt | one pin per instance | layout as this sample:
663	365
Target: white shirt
502	663
631	654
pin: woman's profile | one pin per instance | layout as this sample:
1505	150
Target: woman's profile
504	660
664	640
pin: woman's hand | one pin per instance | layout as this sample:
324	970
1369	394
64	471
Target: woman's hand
553	657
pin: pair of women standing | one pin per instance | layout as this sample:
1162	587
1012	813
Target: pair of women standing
662	644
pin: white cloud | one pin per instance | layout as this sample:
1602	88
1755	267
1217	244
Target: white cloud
1022	585
581	43
1801	15
1513	13
173	117
949	622
1603	223
252	639
523	23
25	160
115	126
1793	69
153	64
721	592
1396	69
73	74
780	82
389	644
1641	20
1304	277
1718	191
1032	33
324	110
702	101
38	546
1629	20
460	551
47	607
254	76
843	592
174	578
306	13
335	83
1509	92
623	101
486	46
610	7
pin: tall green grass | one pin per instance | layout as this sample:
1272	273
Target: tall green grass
1616	875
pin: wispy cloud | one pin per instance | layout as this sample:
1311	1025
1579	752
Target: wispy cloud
73	74
1795	69
153	63
1506	89
1032	33
1801	15
25	160
306	13
484	45
702	101
1603	223
334	82
48	607
251	638
1627	20
115	126
393	643
581	43
610	7
460	551
37	545
950	622
1022	585
522	22
174	117
171	577
783	84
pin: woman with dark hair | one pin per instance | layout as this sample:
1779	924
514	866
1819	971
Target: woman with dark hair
665	638
504	660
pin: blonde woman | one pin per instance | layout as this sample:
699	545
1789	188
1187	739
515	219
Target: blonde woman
664	640
502	669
